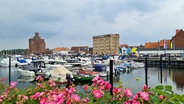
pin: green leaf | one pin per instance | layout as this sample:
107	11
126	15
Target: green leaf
168	88
159	87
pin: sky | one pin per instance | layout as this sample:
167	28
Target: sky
67	23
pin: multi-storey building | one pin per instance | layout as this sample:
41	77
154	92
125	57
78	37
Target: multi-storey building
37	45
106	44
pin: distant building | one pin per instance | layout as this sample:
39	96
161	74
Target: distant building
177	41
123	48
106	44
37	45
59	49
80	49
162	44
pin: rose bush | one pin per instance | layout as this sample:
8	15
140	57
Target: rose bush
47	92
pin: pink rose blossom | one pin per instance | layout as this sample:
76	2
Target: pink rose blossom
107	86
3	79
85	87
161	97
135	102
39	78
85	100
76	98
144	95
43	100
97	93
128	93
13	84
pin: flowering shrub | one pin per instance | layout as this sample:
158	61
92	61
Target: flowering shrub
98	93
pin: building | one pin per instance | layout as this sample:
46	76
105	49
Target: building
177	41
36	45
80	49
162	44
59	49
106	44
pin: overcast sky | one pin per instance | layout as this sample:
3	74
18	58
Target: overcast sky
66	23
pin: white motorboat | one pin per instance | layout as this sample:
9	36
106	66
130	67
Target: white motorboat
26	73
5	62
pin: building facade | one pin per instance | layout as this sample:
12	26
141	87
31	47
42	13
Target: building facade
37	45
80	49
106	44
177	41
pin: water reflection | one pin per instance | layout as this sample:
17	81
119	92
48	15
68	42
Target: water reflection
176	75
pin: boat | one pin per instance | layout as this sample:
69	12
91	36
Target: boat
75	64
26	79
5	62
25	73
83	77
60	74
51	63
21	62
34	67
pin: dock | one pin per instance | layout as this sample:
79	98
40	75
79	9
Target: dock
172	62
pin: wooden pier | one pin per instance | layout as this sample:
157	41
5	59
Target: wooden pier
172	62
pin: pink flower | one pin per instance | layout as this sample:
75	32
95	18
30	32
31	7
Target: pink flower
39	78
35	96
145	88
71	90
117	90
135	97
161	97
135	102
76	98
3	79
128	93
85	87
85	100
144	96
43	100
97	93
107	86
51	83
13	84
95	79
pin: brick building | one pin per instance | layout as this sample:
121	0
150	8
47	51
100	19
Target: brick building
177	41
37	45
80	49
106	44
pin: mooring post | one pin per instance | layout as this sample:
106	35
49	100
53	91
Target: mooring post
107	75
146	71
111	76
9	70
161	68
169	61
68	77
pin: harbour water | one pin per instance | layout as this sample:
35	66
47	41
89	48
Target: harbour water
173	77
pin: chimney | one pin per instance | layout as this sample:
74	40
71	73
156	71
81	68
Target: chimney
36	34
177	30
